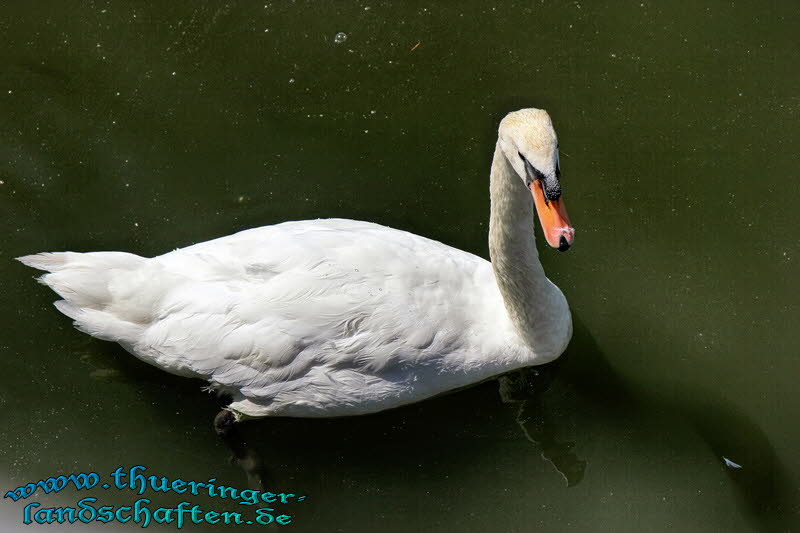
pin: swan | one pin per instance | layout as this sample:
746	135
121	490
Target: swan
334	317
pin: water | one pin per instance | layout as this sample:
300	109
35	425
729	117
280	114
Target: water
147	128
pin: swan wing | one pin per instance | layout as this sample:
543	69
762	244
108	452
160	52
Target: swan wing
315	314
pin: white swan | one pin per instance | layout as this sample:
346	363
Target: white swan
323	318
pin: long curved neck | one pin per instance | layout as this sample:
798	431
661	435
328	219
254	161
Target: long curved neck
535	306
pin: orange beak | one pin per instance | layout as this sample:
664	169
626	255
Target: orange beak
553	217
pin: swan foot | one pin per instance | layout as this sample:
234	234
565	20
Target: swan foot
243	454
224	422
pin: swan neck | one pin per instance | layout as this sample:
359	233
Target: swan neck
535	306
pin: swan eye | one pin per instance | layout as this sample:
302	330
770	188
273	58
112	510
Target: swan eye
558	170
531	172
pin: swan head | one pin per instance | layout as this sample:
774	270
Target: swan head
530	145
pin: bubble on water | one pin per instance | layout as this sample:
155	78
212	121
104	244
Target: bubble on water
291	80
340	37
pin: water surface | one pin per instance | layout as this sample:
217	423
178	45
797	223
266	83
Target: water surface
146	128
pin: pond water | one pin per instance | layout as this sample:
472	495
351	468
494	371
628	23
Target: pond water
146	128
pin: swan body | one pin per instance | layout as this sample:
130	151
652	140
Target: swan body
330	317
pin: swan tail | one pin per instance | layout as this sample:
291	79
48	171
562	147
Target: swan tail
49	261
85	282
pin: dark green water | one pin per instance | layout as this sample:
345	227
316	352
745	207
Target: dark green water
126	126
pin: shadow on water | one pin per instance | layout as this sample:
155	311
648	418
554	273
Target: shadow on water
759	477
526	388
755	470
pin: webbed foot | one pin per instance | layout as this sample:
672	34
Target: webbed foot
224	422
